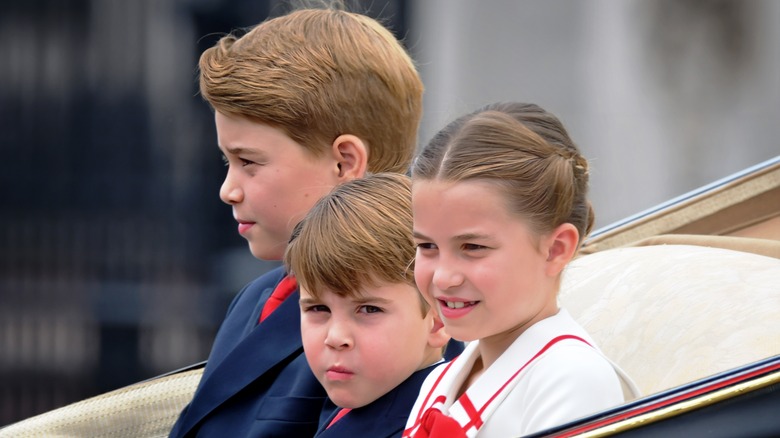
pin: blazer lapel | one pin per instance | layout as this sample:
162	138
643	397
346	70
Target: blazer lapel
274	340
385	417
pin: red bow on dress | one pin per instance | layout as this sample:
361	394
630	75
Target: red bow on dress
435	424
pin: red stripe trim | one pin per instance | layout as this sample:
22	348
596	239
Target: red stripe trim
464	397
474	416
428	396
545	348
688	395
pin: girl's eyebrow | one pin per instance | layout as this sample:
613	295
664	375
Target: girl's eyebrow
470	236
459	237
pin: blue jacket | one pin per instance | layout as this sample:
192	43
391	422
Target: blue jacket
384	418
257	382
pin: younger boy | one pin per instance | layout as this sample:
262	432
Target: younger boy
369	336
303	102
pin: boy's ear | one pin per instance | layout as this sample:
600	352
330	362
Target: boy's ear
561	245
438	336
351	155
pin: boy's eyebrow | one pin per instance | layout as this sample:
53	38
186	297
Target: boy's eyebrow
236	150
358	300
371	299
418	235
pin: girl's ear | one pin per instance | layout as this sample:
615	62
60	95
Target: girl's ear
351	156
561	245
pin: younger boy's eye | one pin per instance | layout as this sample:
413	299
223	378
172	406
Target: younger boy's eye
369	309
245	163
225	160
472	247
426	245
317	308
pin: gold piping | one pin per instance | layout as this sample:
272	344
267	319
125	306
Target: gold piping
683	407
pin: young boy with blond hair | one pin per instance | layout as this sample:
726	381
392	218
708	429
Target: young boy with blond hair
303	102
369	336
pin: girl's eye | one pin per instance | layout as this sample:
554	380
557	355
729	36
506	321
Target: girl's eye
426	245
369	309
472	247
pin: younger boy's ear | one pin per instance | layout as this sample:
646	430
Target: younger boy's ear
438	336
351	154
561	245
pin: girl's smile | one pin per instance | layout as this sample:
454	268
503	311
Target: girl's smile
479	263
455	308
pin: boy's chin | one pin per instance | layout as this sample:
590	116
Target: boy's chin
266	252
345	403
343	398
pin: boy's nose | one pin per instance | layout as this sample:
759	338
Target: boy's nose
230	192
339	336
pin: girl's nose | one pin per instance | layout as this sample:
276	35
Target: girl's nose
446	277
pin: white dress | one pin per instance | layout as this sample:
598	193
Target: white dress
551	374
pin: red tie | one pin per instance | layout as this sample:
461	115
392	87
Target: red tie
338	416
283	290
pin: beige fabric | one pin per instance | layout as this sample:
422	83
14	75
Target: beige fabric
727	209
765	247
671	314
146	409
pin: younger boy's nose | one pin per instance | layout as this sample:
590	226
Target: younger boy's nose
339	337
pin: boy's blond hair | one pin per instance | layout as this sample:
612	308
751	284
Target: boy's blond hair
317	74
359	235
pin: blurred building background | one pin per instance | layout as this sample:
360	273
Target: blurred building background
663	96
117	259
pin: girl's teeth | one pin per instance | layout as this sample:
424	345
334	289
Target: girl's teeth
457	304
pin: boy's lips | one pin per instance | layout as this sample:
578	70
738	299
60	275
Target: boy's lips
338	373
455	307
244	226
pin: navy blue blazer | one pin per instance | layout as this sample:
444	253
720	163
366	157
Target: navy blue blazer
257	382
384	418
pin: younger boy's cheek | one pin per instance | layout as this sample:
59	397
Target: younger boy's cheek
312	358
